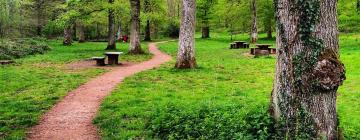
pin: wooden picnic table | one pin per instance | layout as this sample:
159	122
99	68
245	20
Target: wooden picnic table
113	57
263	46
240	44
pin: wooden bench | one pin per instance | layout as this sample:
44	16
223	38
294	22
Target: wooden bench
100	61
260	52
6	62
272	50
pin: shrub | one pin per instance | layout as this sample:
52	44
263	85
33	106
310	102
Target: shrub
210	122
17	48
173	30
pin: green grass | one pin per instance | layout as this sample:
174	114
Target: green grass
35	83
224	78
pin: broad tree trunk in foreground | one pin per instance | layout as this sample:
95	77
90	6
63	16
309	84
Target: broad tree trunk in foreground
81	33
308	69
186	51
135	47
254	33
67	35
111	33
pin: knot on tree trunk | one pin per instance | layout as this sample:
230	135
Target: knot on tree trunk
329	72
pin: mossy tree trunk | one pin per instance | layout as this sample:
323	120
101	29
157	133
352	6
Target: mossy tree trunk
135	47
308	69
67	35
186	52
111	31
254	32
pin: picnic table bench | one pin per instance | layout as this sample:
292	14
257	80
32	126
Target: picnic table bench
100	61
5	62
113	57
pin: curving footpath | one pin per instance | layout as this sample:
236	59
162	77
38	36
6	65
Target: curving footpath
72	117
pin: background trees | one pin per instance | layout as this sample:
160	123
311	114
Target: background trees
158	18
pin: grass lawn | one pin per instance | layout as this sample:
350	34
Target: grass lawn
226	97
35	83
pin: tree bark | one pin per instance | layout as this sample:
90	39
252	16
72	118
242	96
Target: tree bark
135	47
205	32
74	31
186	52
269	32
147	9
254	33
147	31
81	33
67	35
39	16
119	32
111	31
308	69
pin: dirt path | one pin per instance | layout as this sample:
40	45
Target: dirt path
72	117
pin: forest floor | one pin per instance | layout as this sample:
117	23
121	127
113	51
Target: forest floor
216	100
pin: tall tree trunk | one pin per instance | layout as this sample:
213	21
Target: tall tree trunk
119	34
358	5
171	8
254	33
39	13
111	33
147	9
135	47
186	52
308	69
67	35
81	33
97	32
74	31
269	31
205	30
147	31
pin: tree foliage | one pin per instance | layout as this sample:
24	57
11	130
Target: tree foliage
26	18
